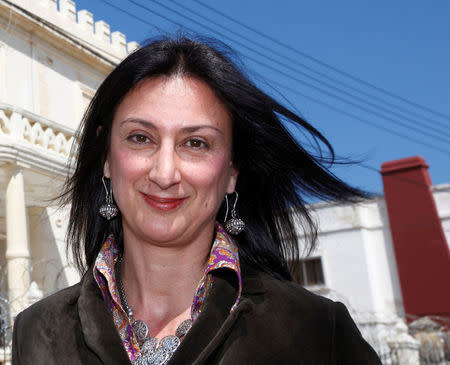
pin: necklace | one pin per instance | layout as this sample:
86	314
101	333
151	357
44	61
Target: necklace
151	352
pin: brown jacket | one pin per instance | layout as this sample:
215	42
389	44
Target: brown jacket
276	322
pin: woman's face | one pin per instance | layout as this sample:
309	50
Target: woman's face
170	159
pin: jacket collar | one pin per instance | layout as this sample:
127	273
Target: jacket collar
97	325
207	333
212	326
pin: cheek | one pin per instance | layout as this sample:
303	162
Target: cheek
210	179
126	166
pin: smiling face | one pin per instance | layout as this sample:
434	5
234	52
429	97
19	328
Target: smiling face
170	160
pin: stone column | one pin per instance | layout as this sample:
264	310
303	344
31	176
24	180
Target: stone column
17	242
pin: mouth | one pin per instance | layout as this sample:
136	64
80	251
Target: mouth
164	204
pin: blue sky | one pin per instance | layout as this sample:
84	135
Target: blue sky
402	47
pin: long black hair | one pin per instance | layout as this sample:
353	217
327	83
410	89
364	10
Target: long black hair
275	172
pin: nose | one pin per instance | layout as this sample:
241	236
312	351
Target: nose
164	170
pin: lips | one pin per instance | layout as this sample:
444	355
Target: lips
164	204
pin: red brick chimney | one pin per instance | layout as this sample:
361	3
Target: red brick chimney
421	250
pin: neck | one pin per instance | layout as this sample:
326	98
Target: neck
160	281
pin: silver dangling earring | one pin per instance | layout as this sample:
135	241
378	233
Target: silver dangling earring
108	210
233	225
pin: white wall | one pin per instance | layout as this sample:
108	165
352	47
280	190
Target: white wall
357	256
441	195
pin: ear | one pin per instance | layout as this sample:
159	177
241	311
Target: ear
232	180
106	170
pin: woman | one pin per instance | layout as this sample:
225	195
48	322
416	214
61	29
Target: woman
176	143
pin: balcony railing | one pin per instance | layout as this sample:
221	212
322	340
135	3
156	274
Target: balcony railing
30	138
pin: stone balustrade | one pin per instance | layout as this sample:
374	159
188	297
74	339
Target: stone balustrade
30	138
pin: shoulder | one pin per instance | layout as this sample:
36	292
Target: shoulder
288	306
40	329
293	301
313	323
287	294
57	305
50	321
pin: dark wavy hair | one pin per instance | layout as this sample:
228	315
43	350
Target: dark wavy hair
276	173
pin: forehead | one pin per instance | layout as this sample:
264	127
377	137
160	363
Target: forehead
174	101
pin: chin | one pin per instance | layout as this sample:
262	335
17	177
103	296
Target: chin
162	235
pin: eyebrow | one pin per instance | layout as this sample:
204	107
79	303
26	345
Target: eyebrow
148	124
145	123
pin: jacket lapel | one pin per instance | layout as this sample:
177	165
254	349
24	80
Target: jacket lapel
97	325
214	323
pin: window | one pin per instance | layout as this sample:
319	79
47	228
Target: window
308	272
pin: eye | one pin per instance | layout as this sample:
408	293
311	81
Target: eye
196	143
138	138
